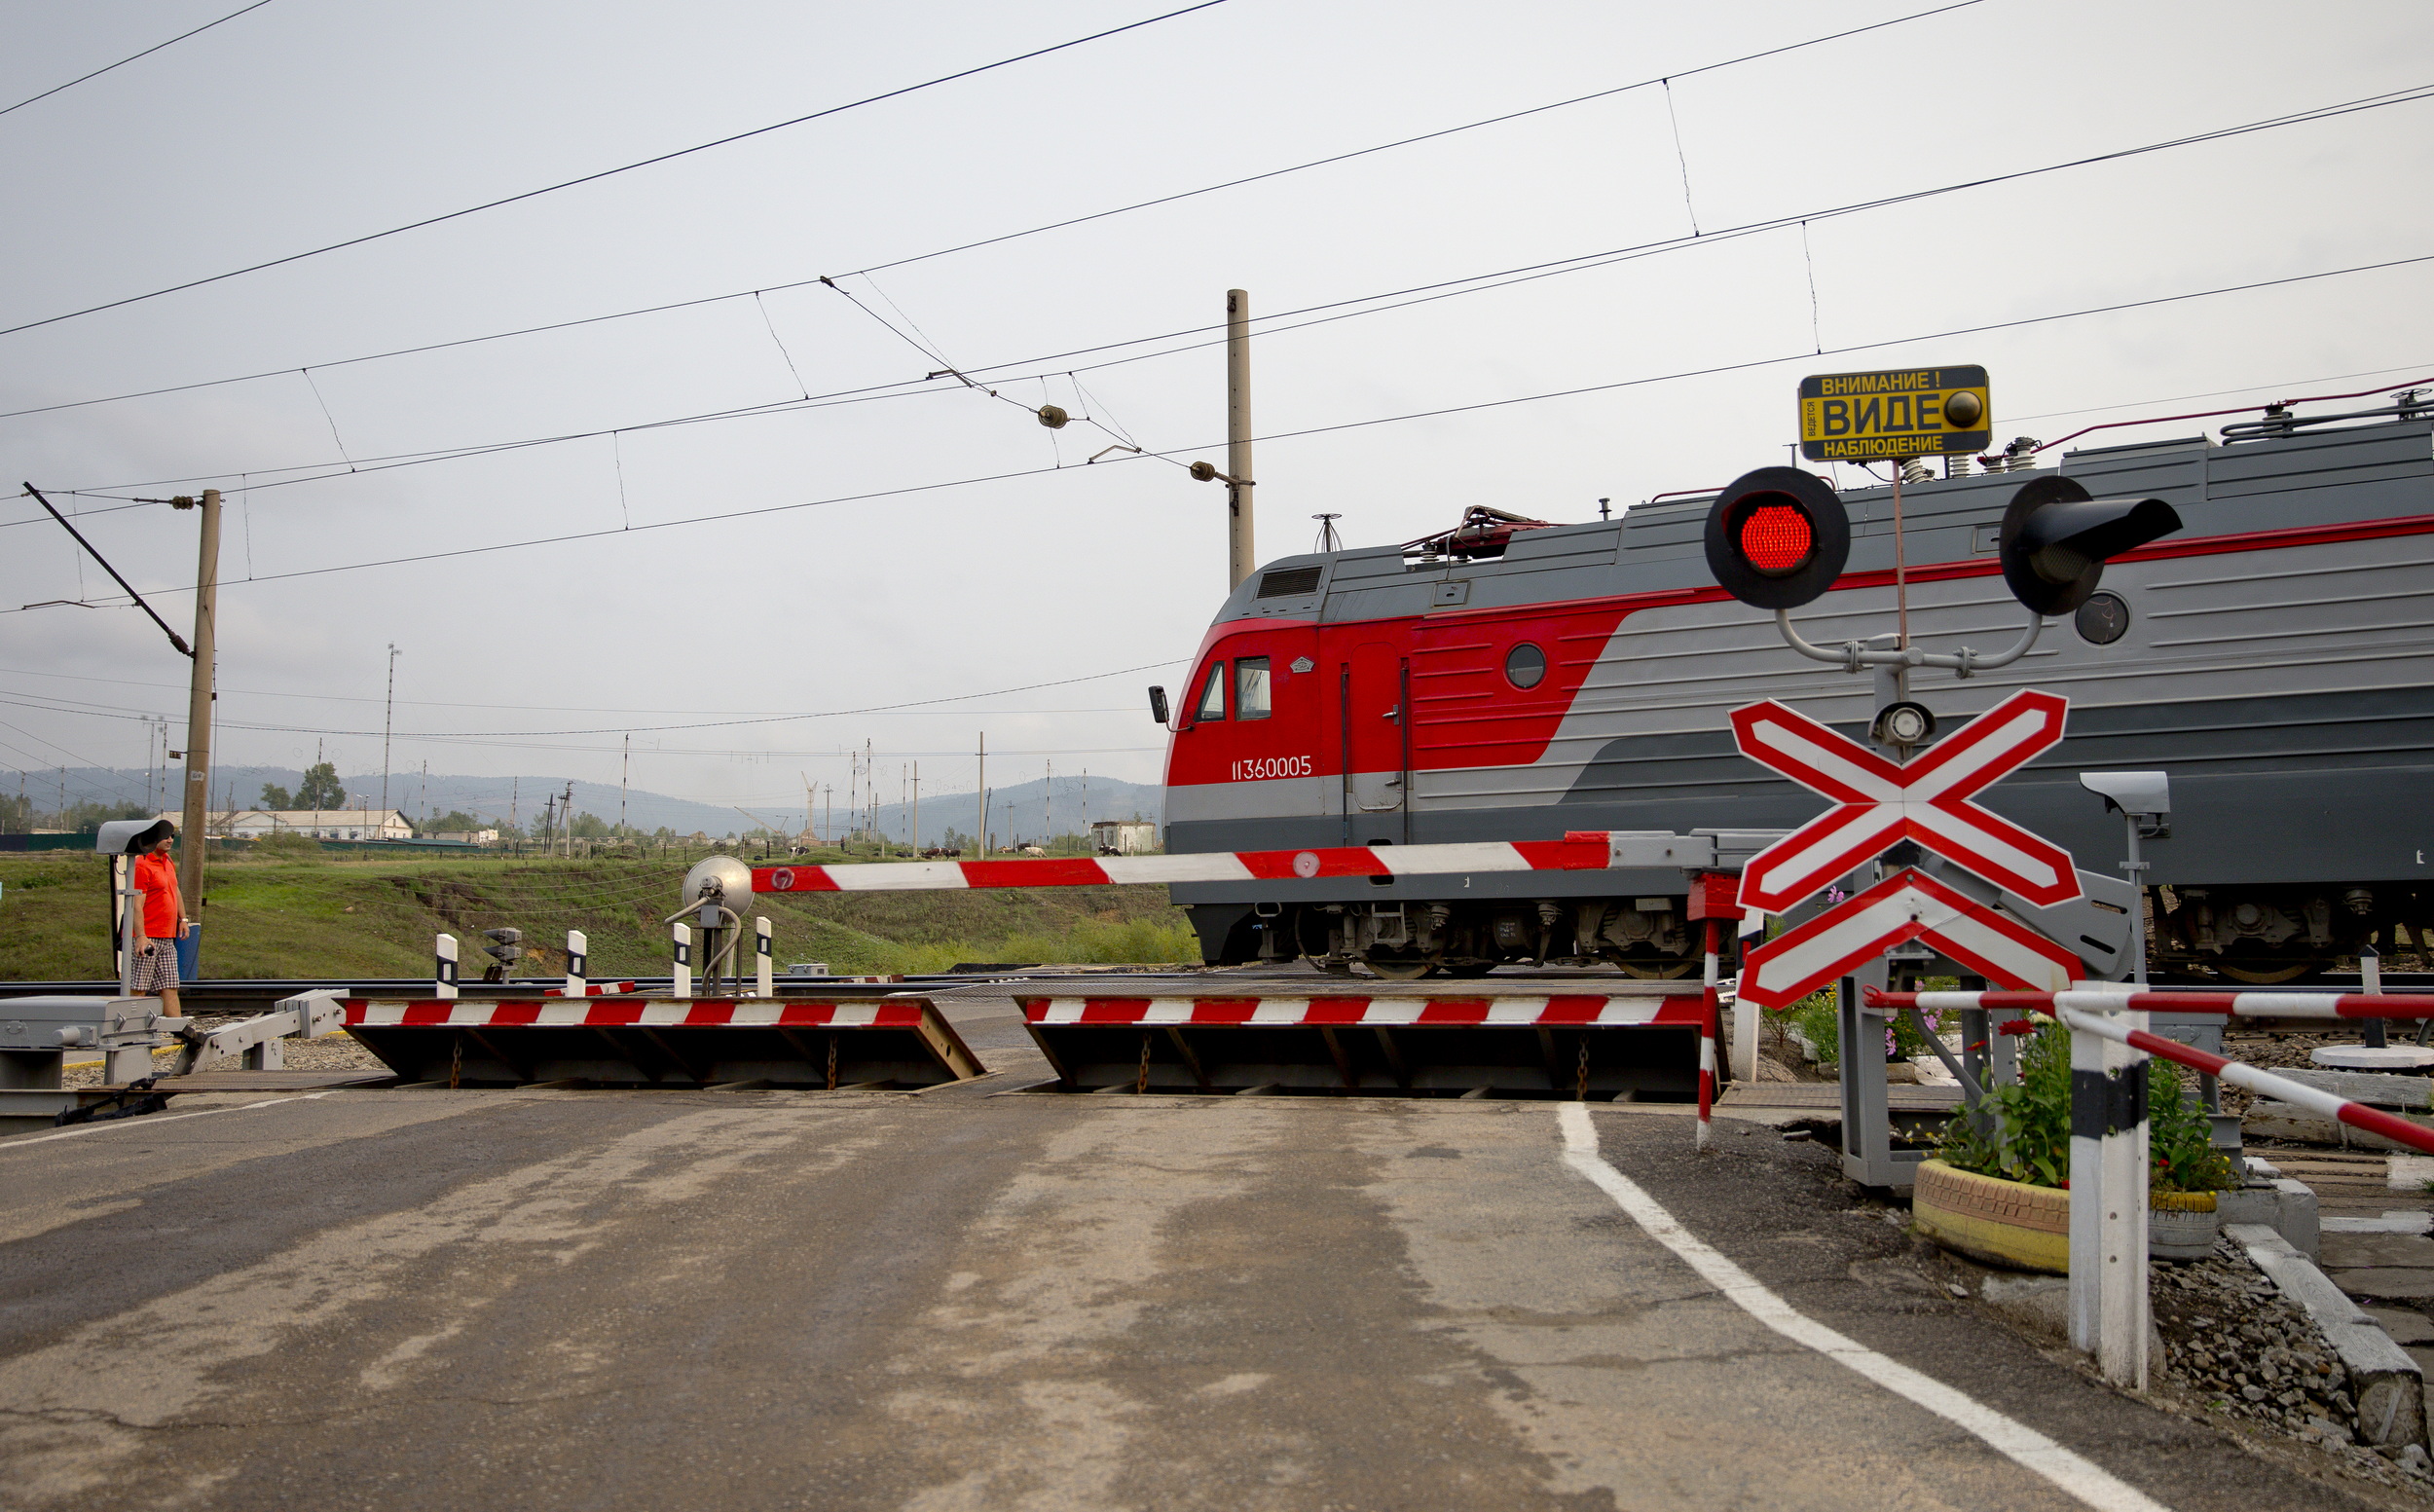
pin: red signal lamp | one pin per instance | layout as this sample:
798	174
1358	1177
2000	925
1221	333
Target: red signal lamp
1778	538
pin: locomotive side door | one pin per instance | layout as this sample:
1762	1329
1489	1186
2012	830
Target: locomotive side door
1373	702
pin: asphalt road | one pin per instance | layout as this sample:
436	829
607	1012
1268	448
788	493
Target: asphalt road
968	1299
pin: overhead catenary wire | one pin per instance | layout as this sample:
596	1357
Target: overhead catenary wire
1282	320
644	729
1165	454
132	57
603	173
967	246
435	703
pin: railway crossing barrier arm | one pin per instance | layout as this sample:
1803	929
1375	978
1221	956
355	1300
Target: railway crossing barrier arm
254	1044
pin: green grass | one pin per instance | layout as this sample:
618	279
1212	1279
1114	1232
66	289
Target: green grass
313	916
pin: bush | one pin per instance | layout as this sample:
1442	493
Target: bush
2180	1139
2022	1130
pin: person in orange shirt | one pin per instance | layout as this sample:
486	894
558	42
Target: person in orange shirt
164	918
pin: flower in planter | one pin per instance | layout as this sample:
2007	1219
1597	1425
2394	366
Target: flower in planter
2022	1131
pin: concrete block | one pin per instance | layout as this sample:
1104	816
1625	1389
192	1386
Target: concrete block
2268	1118
2387	1384
2349	1251
2395	1220
2407	1326
2375	1089
2397	1283
2299	1223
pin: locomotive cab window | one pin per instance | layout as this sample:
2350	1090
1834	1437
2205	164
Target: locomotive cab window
1212	695
1525	666
1250	687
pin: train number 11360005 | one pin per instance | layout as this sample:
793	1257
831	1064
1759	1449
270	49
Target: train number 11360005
1270	767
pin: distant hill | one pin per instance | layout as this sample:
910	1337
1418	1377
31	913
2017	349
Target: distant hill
1022	811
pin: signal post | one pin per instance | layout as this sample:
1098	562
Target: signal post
1779	539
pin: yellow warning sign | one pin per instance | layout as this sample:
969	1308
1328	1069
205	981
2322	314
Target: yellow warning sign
1905	412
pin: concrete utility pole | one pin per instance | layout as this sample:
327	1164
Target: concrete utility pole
198	809
388	725
1240	558
982	839
565	818
917	811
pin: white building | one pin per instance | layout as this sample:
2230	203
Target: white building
329	823
1123	836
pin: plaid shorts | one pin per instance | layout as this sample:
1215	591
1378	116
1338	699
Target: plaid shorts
156	967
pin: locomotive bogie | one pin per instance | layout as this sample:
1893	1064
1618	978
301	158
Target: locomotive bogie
1643	936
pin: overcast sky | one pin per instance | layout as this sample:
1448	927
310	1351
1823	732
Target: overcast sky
304	123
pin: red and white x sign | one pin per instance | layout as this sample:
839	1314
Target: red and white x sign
1926	800
1907	906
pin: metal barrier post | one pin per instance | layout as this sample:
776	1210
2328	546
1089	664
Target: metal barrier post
131	936
444	967
2108	1202
1707	1041
2371	982
1868	1157
684	973
769	988
579	948
1749	930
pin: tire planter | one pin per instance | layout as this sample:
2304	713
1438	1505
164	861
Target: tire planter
2181	1224
2002	1223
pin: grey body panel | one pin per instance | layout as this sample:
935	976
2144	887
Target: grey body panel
2288	689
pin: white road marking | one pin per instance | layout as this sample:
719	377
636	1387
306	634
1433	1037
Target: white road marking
150	1120
2016	1440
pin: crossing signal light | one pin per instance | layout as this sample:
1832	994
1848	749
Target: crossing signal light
2056	539
1778	538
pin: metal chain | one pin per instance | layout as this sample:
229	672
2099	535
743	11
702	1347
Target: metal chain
832	1062
456	1062
1580	1089
1141	1084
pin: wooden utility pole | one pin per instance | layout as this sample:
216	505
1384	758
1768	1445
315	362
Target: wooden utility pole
1240	558
197	808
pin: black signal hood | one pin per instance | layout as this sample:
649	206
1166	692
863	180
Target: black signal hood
2056	539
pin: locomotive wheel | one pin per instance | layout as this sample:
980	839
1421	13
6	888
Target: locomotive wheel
1656	971
2266	976
1390	970
1471	968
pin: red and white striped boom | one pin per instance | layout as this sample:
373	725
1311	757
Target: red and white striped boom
1580	851
2092	1012
2233	1005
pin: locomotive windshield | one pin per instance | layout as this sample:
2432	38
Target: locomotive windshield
1250	687
1212	695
